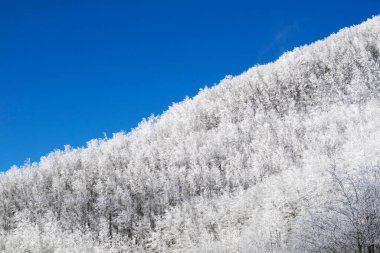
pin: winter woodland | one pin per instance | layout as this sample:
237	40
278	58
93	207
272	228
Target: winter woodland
282	158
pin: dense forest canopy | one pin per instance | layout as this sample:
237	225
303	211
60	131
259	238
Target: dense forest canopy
282	158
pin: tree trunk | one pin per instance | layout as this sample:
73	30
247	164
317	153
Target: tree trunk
110	225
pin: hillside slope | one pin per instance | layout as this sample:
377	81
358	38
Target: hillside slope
282	158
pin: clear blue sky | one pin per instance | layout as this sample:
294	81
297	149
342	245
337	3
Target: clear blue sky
72	70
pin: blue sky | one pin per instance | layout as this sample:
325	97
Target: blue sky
73	70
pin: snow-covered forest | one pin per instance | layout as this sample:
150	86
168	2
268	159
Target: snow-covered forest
282	158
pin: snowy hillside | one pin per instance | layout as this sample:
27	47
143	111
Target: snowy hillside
282	158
